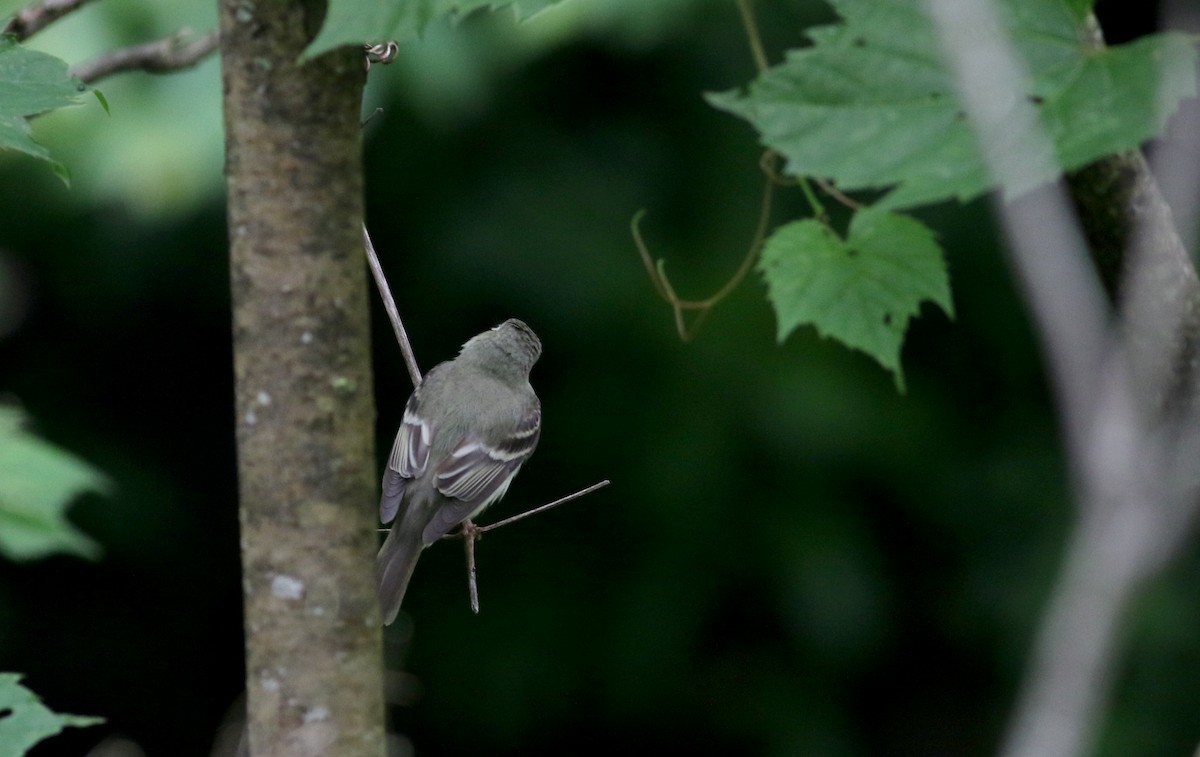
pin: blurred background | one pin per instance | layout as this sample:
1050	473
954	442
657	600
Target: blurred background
792	559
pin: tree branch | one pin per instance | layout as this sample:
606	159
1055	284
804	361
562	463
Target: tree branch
1143	260
33	18
1131	453
162	56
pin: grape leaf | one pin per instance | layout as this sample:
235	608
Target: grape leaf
355	22
870	105
37	482
862	290
32	83
24	720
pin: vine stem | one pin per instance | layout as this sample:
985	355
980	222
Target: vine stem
769	163
657	270
746	9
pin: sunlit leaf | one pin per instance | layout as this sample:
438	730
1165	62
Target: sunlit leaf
871	104
861	290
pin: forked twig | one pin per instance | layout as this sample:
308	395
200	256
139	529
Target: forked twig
471	533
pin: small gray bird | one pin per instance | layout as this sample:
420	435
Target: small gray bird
467	429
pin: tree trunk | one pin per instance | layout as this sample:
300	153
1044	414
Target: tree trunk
304	408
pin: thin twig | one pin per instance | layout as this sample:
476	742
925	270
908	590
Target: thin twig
536	510
389	304
471	533
162	56
33	18
522	516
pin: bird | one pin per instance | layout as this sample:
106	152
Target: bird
466	431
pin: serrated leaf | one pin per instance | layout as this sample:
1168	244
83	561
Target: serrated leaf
37	482
32	83
870	105
26	721
355	22
861	291
1115	95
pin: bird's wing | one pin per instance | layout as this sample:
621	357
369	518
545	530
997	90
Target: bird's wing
477	472
410	455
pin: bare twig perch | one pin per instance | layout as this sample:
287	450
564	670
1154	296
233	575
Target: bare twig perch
162	56
536	510
469	532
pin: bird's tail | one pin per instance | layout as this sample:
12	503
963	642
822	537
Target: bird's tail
394	567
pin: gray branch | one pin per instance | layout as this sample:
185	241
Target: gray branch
1125	388
161	56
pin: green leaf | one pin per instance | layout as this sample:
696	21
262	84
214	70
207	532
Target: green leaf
32	83
861	291
24	720
870	105
37	482
355	22
1081	8
1120	98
